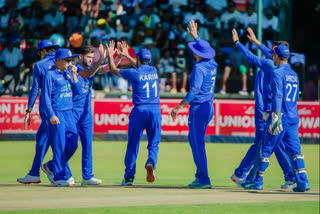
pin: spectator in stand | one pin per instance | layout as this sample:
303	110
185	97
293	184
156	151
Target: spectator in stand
29	21
125	32
24	4
176	5
166	69
270	25
155	52
92	7
180	63
241	5
54	20
217	5
130	17
45	4
73	17
149	20
29	59
99	32
236	62
230	14
138	36
4	17
194	14
10	60
161	38
248	19
212	22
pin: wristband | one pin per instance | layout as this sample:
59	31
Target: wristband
235	42
28	111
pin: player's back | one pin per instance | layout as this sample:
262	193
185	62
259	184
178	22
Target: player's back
290	87
209	71
145	86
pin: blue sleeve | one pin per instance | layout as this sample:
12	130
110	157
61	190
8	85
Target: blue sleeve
35	86
263	64
196	80
197	39
47	90
277	90
265	50
259	100
128	74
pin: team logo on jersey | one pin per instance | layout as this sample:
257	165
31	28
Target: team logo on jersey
69	53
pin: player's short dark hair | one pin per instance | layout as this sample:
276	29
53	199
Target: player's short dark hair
86	49
282	43
49	49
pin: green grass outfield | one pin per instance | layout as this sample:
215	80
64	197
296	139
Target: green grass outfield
175	168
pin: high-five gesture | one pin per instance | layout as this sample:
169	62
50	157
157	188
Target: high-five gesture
252	37
123	49
193	30
102	51
111	48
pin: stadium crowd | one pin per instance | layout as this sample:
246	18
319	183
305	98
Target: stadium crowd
160	26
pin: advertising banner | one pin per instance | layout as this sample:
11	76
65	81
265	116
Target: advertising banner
231	117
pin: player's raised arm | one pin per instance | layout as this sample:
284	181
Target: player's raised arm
193	30
111	50
123	51
252	38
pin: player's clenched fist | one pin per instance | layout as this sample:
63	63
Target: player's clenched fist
54	120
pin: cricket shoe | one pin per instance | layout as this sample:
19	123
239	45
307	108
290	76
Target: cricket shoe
71	181
48	172
253	186
61	183
150	173
288	185
29	179
237	180
197	185
301	187
127	182
91	181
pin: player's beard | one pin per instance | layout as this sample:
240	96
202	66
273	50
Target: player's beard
86	63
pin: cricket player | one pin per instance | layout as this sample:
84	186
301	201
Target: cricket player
284	122
46	49
57	89
146	113
200	97
262	107
82	112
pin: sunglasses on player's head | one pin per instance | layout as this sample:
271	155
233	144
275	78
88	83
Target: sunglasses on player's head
68	60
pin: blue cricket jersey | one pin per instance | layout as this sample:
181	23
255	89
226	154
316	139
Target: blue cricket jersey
82	100
285	89
145	84
57	91
39	71
202	82
262	85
